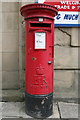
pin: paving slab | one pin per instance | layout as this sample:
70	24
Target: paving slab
0	110
13	110
68	110
55	111
17	110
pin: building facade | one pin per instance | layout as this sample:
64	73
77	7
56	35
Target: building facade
12	56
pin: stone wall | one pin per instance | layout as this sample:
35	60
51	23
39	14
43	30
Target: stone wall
66	63
0	50
13	57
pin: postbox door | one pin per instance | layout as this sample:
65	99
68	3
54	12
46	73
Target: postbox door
39	62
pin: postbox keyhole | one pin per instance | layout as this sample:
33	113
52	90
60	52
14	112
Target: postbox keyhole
51	52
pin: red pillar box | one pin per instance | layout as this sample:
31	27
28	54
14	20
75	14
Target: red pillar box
39	50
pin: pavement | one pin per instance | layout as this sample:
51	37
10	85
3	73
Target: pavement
17	110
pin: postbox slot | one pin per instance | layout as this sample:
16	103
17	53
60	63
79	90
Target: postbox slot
40	25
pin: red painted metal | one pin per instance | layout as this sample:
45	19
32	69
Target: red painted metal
39	62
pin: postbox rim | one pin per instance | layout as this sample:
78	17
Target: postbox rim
38	6
47	5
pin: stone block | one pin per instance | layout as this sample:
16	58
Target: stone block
23	61
10	6
0	81
1	95
20	58
22	78
0	6
13	95
10	80
76	77
1	22
66	85
67	30
10	42
66	96
0	42
21	34
27	2
61	38
0	61
68	110
10	61
10	22
75	39
66	58
63	79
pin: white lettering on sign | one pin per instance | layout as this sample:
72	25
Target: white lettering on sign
67	18
40	40
70	2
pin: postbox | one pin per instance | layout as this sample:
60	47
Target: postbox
39	57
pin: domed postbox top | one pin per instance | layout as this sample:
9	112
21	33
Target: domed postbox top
39	10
